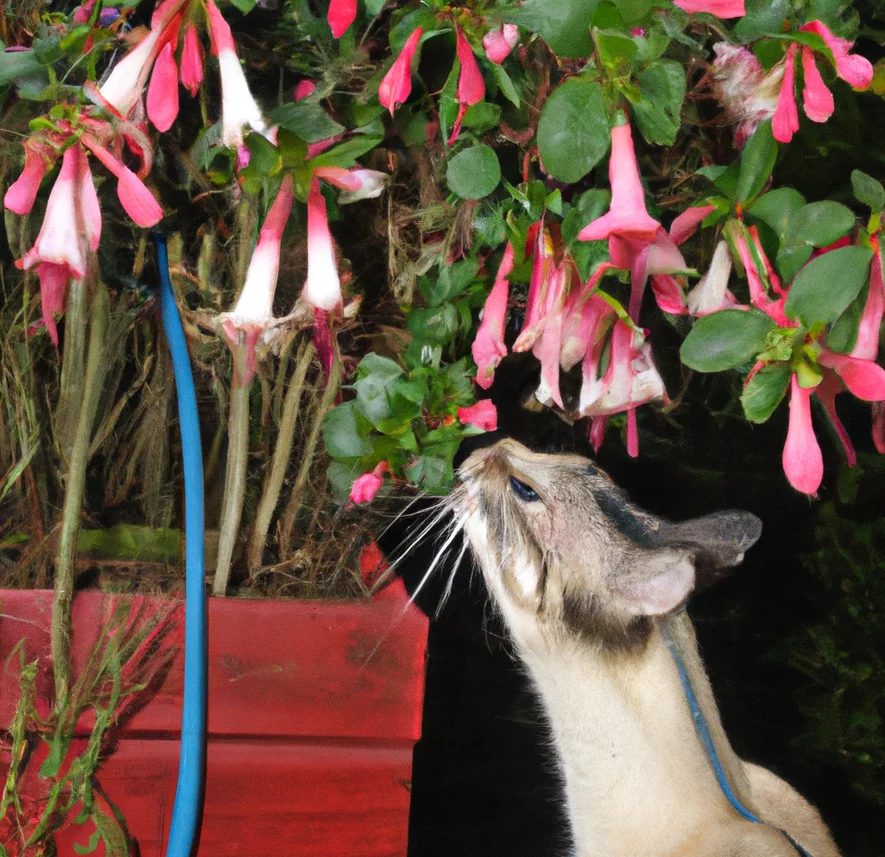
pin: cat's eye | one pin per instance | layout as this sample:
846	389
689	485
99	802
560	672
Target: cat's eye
525	492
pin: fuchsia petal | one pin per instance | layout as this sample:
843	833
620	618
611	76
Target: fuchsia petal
864	378
853	69
162	95
342	13
498	43
365	488
826	393
627	216
587	320
542	266
867	344
53	295
396	85
322	289
786	117
597	431
547	350
20	195
488	348
303	89
709	295
816	97
686	224
191	61
719	8
471	87
668	294
483	415
802	459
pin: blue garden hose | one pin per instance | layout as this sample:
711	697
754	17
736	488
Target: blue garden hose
189	793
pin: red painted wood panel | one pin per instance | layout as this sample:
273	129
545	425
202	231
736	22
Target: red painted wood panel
313	710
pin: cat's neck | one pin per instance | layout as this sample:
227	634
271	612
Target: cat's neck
637	778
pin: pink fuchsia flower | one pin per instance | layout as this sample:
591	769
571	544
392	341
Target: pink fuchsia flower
719	8
586	321
826	393
816	97
866	345
322	289
547	346
537	302
711	293
134	196
627	217
191	60
802	459
786	117
162	94
253	311
864	378
342	13
471	87
396	85
69	235
747	95
853	69
483	415
488	348
39	158
238	107
498	43
759	297
366	486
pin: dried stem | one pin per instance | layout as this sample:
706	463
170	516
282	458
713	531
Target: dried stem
273	482
93	382
234	484
307	454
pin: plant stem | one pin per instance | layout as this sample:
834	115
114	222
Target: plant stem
72	381
234	483
307	453
63	590
273	482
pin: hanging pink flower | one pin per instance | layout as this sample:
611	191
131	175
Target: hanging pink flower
357	183
719	8
498	43
548	345
366	486
488	348
471	87
786	117
826	393
162	94
342	13
802	459
322	289
711	293
238	107
816	97
396	85
853	69
866	346
39	158
586	326
483	415
253	312
864	378
191	61
747	95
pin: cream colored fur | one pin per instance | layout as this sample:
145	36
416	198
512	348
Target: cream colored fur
638	782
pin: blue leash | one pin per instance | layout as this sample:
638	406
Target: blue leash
703	731
189	793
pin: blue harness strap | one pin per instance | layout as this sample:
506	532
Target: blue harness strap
703	731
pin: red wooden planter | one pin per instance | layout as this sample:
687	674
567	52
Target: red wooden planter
313	711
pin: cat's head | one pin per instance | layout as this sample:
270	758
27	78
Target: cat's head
559	544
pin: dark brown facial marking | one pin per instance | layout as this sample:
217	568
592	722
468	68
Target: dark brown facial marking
637	527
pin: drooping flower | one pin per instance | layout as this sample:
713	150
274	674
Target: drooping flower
357	183
853	69
238	107
802	459
342	13
747	95
322	289
711	292
191	60
396	85
826	392
587	322
719	8
253	311
70	233
39	158
537	302
866	346
548	345
816	97
785	122
366	486
471	87
864	378
162	94
498	43
488	348
483	415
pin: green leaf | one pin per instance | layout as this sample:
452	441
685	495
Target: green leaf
474	173
433	473
725	340
573	131
16	64
245	6
777	207
659	108
586	207
437	325
843	333
819	224
757	162
306	119
868	191
761	17
452	281
564	24
615	50
264	157
345	432
765	391
448	104
482	116
825	287
346	153
790	260
725	178
505	84
633	11
375	377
